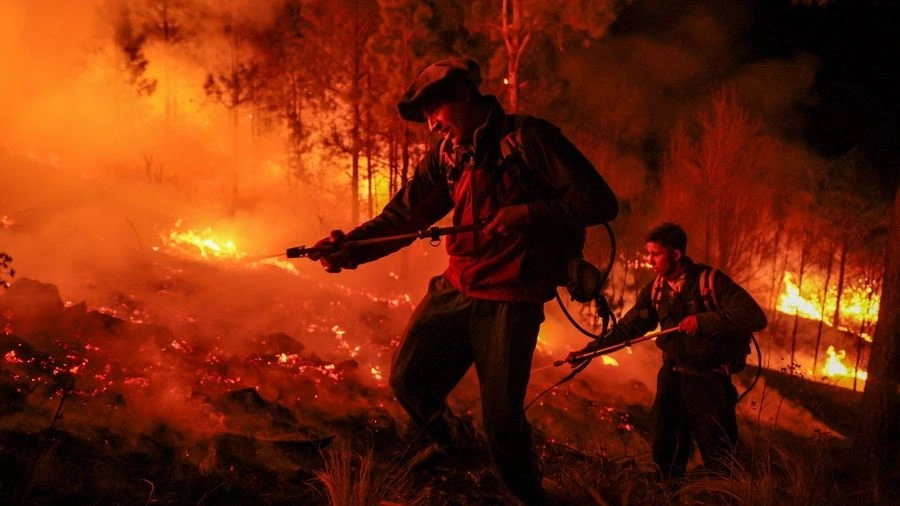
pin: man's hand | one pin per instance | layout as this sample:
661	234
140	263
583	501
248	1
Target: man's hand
336	259
689	325
572	357
508	220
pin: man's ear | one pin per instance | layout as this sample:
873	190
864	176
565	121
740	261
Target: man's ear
677	255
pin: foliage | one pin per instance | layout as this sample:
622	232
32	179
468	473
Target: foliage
711	182
518	25
6	272
131	41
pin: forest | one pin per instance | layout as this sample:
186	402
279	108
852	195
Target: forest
158	157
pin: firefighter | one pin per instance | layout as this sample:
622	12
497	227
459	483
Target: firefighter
534	192
695	398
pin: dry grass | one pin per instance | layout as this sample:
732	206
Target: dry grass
351	478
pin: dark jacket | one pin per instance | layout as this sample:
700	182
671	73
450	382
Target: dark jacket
516	160
724	330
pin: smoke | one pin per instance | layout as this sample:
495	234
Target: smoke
659	64
95	174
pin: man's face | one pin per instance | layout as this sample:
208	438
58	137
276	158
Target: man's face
663	260
454	120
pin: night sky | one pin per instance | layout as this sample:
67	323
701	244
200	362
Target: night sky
854	99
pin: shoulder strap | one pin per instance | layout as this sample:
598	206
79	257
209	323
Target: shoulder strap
656	294
511	143
708	288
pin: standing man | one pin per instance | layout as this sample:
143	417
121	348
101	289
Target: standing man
534	192
695	399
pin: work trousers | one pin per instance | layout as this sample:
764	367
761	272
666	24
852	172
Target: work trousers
447	333
698	406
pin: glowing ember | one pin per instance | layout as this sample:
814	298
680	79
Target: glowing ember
835	367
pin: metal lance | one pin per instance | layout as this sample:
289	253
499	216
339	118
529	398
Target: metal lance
433	233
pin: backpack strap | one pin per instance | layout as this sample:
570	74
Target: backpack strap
656	293
708	288
511	143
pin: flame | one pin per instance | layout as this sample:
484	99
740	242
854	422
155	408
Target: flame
791	302
205	242
858	305
835	367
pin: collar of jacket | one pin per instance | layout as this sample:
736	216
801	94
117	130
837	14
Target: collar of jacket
488	135
485	140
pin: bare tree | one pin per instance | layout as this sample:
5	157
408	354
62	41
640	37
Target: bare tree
712	182
521	21
169	23
406	41
846	204
288	76
236	83
341	31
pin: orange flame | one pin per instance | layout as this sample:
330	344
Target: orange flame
205	242
791	302
857	305
835	367
209	245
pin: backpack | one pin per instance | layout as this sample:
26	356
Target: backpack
737	356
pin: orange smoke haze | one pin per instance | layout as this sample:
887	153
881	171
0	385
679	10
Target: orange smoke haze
107	193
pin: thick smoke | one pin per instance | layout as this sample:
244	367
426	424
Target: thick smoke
95	176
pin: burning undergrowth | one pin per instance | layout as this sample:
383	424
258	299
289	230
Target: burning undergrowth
139	383
226	379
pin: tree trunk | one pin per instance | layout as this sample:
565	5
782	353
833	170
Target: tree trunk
354	157
776	280
879	428
804	252
842	272
516	40
831	247
370	178
356	94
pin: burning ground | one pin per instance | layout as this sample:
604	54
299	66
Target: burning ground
182	369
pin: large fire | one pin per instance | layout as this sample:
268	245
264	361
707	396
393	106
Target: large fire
859	307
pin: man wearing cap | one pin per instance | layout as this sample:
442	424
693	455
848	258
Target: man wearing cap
534	192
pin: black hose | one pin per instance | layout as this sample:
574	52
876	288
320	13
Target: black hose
758	369
603	309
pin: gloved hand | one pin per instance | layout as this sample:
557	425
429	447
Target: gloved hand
597	344
339	256
591	346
